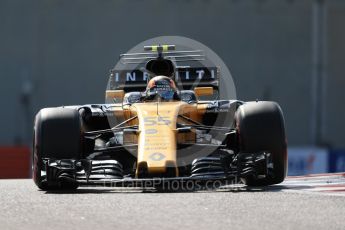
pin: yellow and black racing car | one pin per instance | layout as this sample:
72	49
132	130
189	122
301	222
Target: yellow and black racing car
162	123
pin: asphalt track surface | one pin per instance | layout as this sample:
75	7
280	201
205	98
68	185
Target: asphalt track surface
290	205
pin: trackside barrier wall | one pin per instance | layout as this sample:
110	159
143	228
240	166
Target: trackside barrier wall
311	160
15	162
336	160
307	160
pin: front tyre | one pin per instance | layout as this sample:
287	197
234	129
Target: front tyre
57	135
261	128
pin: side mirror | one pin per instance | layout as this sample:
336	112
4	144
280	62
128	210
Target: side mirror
114	95
203	91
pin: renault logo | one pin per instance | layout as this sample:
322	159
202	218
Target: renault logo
157	156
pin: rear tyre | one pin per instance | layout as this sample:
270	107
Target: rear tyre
57	135
261	128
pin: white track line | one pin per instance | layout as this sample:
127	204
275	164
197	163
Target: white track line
325	184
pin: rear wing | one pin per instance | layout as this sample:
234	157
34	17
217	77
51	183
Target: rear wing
185	78
189	70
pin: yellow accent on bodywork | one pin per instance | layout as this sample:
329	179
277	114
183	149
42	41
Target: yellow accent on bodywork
165	48
154	48
114	94
203	91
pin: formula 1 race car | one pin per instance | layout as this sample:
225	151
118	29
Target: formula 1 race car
159	126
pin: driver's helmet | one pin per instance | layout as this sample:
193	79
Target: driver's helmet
163	86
